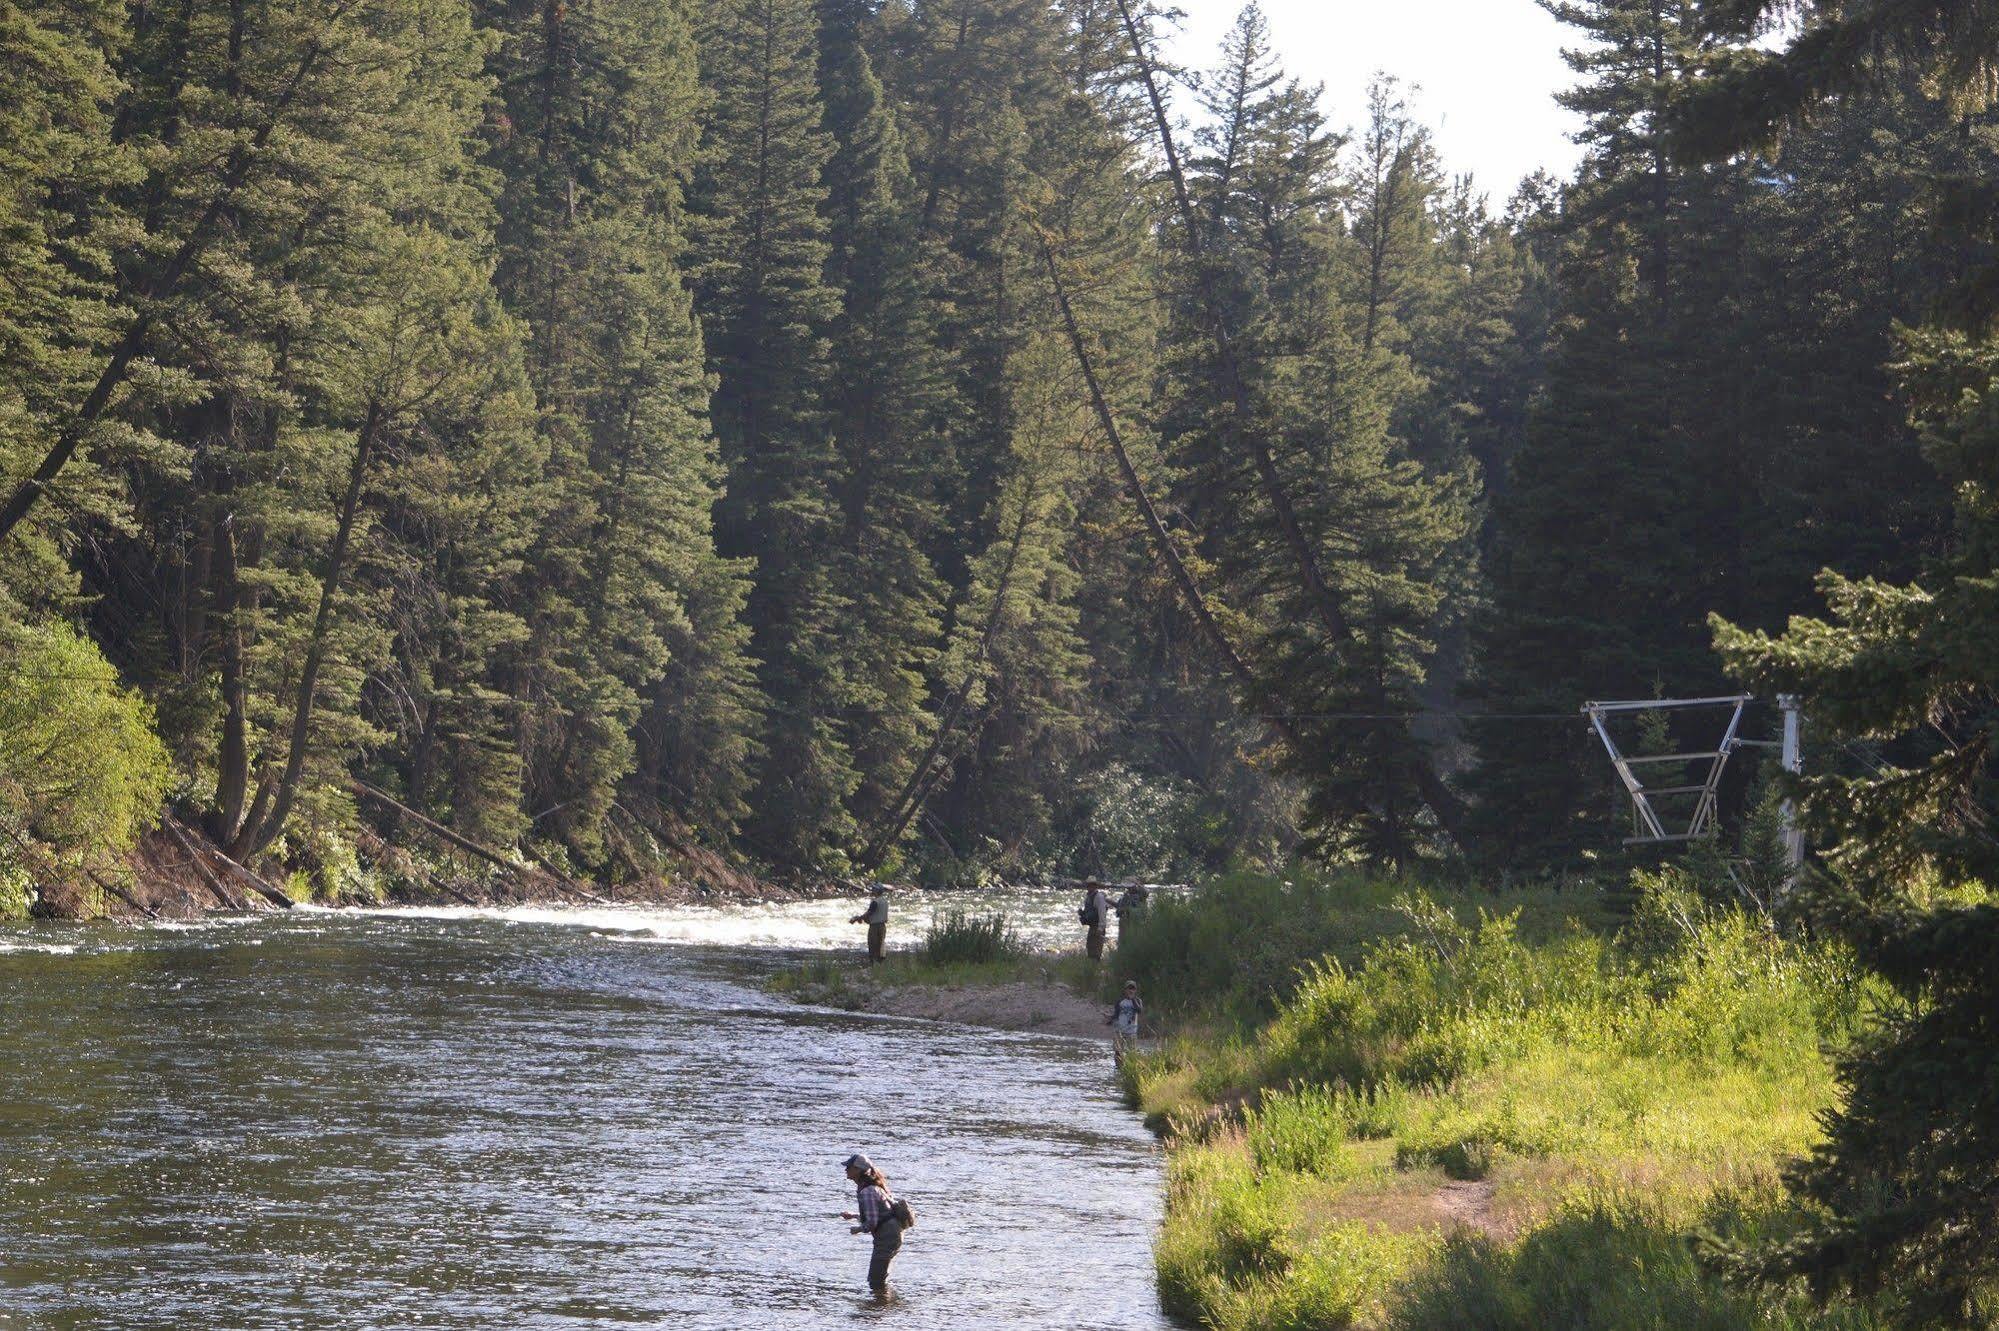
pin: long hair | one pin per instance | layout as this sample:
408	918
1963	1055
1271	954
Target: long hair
874	1177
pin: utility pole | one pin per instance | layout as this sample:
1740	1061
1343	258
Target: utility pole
1794	763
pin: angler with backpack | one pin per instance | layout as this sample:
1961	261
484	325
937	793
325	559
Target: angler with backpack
881	1214
1094	915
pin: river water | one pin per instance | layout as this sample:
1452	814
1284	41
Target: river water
536	1119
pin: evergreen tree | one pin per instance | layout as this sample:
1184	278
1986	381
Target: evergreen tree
1606	544
1902	1186
285	345
631	611
887	400
1280	361
760	274
58	222
1901	1190
1703	441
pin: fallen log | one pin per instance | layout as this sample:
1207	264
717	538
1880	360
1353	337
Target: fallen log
201	869
124	896
258	883
469	846
381	852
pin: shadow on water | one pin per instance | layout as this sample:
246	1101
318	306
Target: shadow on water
338	1121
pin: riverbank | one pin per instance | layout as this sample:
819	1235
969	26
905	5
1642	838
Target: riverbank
176	873
1459	1109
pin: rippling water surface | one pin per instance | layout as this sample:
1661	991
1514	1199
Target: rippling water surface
535	1119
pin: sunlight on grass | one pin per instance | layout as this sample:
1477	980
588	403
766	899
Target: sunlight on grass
1476	1120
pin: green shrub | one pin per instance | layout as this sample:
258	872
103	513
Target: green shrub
1602	1264
82	772
1240	946
1301	1131
1633	1079
959	937
17	891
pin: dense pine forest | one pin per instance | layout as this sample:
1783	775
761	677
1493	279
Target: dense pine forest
936	437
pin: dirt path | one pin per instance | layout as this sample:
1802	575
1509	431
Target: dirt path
1466	1206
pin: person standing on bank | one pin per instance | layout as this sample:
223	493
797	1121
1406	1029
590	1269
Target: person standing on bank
1129	906
878	1215
876	918
1094	914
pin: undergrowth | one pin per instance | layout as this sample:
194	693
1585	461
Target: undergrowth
1465	1117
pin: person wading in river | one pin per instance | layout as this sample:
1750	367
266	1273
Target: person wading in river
876	1216
1123	1021
876	918
1093	913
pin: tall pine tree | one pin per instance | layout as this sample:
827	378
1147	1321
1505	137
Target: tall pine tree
760	275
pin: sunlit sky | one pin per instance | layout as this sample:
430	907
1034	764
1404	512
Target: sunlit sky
1486	71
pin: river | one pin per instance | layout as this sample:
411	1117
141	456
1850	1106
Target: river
536	1118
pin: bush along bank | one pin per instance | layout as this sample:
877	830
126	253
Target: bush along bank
1422	1111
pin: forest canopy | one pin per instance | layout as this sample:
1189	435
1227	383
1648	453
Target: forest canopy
935	436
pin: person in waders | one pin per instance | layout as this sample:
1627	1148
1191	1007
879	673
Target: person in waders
1093	913
1123	1021
876	918
876	1215
1129	906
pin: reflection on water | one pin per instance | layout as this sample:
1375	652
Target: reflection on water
536	1119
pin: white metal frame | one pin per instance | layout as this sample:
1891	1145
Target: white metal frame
1654	829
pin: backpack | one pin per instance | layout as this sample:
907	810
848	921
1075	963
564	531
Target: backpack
1088	913
904	1213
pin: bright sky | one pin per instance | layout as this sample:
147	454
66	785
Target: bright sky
1486	69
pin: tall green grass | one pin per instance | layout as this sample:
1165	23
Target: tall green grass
1606	1096
959	937
1238	947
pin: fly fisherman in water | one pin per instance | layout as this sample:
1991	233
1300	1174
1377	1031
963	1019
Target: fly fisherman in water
879	1215
876	918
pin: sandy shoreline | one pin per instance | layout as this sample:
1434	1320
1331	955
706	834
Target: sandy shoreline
1043	1004
1049	1007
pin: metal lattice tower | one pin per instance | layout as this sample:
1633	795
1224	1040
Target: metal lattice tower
1656	824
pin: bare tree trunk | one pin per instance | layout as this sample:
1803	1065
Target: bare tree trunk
916	789
232	780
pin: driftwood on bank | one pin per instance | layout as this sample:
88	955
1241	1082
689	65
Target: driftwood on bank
471	847
201	869
256	881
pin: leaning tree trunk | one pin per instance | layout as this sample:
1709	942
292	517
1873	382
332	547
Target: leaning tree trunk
263	829
1162	539
917	788
1323	598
